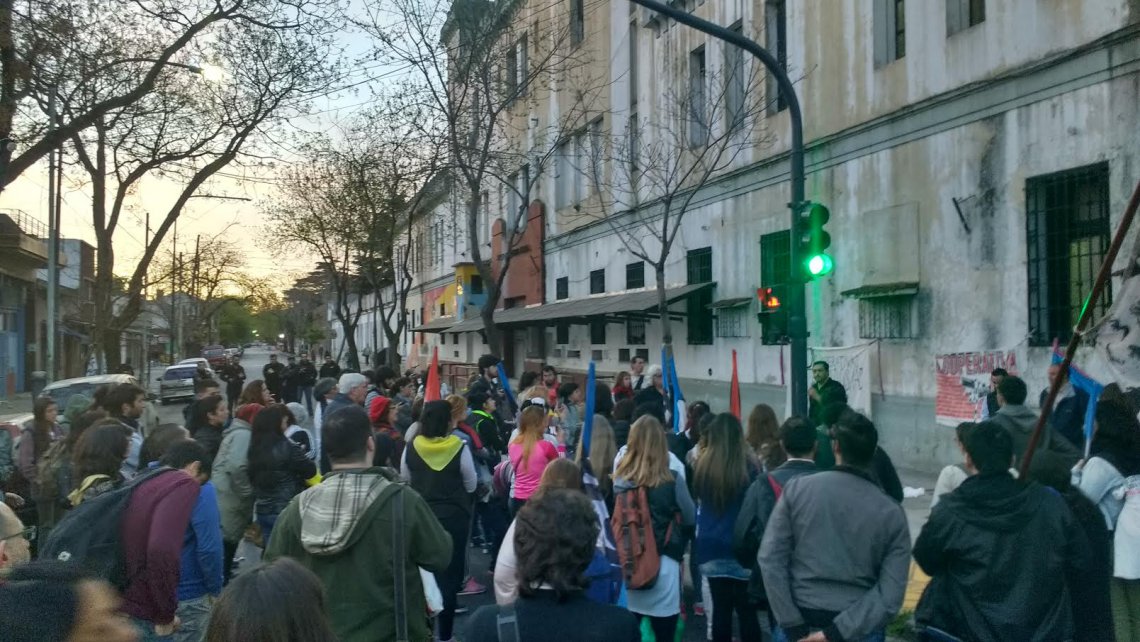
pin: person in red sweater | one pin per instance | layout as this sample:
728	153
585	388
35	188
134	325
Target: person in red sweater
153	528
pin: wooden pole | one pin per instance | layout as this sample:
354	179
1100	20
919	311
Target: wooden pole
1082	324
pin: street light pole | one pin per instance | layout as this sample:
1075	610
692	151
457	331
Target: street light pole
797	314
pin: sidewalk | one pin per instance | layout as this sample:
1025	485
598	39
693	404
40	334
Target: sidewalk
19	402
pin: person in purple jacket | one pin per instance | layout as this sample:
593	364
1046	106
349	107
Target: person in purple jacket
201	570
153	528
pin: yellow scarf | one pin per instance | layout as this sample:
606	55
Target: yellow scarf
437	452
76	496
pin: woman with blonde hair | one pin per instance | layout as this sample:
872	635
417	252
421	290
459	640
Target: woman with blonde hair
603	448
644	469
763	437
529	454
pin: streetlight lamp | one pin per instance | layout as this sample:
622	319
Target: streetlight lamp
797	317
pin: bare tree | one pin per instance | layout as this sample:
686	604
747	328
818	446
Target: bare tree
183	130
116	52
653	169
483	71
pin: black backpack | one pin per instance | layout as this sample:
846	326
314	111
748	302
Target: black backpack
90	533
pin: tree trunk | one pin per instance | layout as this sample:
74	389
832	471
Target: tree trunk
112	349
663	309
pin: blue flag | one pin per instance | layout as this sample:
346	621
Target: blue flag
506	383
588	420
1087	385
677	397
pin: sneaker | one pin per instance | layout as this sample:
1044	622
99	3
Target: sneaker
472	588
698	609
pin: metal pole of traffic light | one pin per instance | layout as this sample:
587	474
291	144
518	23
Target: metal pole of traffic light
797	317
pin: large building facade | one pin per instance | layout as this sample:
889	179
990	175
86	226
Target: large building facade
975	156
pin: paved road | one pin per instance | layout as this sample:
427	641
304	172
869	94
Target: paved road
253	361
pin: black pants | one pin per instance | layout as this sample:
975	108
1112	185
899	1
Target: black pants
728	596
516	505
232	396
664	628
230	550
450	580
495	517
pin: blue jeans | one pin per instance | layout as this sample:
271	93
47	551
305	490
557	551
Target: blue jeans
146	632
266	522
195	616
778	635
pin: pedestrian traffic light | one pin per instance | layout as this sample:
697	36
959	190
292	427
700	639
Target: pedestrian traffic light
812	240
769	300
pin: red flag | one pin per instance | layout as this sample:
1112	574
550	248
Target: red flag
734	391
431	388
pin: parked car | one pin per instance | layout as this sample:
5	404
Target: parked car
194	361
215	355
177	382
62	391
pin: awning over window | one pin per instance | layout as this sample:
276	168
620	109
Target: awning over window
904	288
642	303
473	323
730	303
439	324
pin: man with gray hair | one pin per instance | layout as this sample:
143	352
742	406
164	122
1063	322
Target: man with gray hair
352	389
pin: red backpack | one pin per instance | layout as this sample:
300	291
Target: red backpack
632	526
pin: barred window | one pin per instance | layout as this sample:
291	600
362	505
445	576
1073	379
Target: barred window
733	322
700	317
635	332
889	317
1067	229
562	288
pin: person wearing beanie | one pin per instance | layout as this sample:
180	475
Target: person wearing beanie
389	441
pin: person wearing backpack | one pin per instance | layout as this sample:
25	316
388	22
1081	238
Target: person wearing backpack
56	472
651	508
798	438
364	534
36	438
560	528
721	479
98	460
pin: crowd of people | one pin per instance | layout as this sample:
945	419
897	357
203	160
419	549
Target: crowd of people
366	493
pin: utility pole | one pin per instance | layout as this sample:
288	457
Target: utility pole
797	313
145	367
54	159
194	288
173	289
178	312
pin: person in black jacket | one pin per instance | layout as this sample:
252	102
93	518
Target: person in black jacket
1088	586
278	468
306	379
797	436
560	529
329	368
998	552
274	373
1068	416
234	376
207	419
291	381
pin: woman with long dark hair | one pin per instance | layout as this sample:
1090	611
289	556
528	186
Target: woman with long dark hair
723	474
207	420
38	435
56	478
278	468
98	457
763	437
281	600
442	470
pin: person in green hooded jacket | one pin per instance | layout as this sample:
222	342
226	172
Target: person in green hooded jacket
349	530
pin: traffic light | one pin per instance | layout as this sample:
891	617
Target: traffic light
769	300
772	316
812	240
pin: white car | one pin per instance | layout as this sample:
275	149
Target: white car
195	361
62	391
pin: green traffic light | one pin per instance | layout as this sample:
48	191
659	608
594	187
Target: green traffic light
820	264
